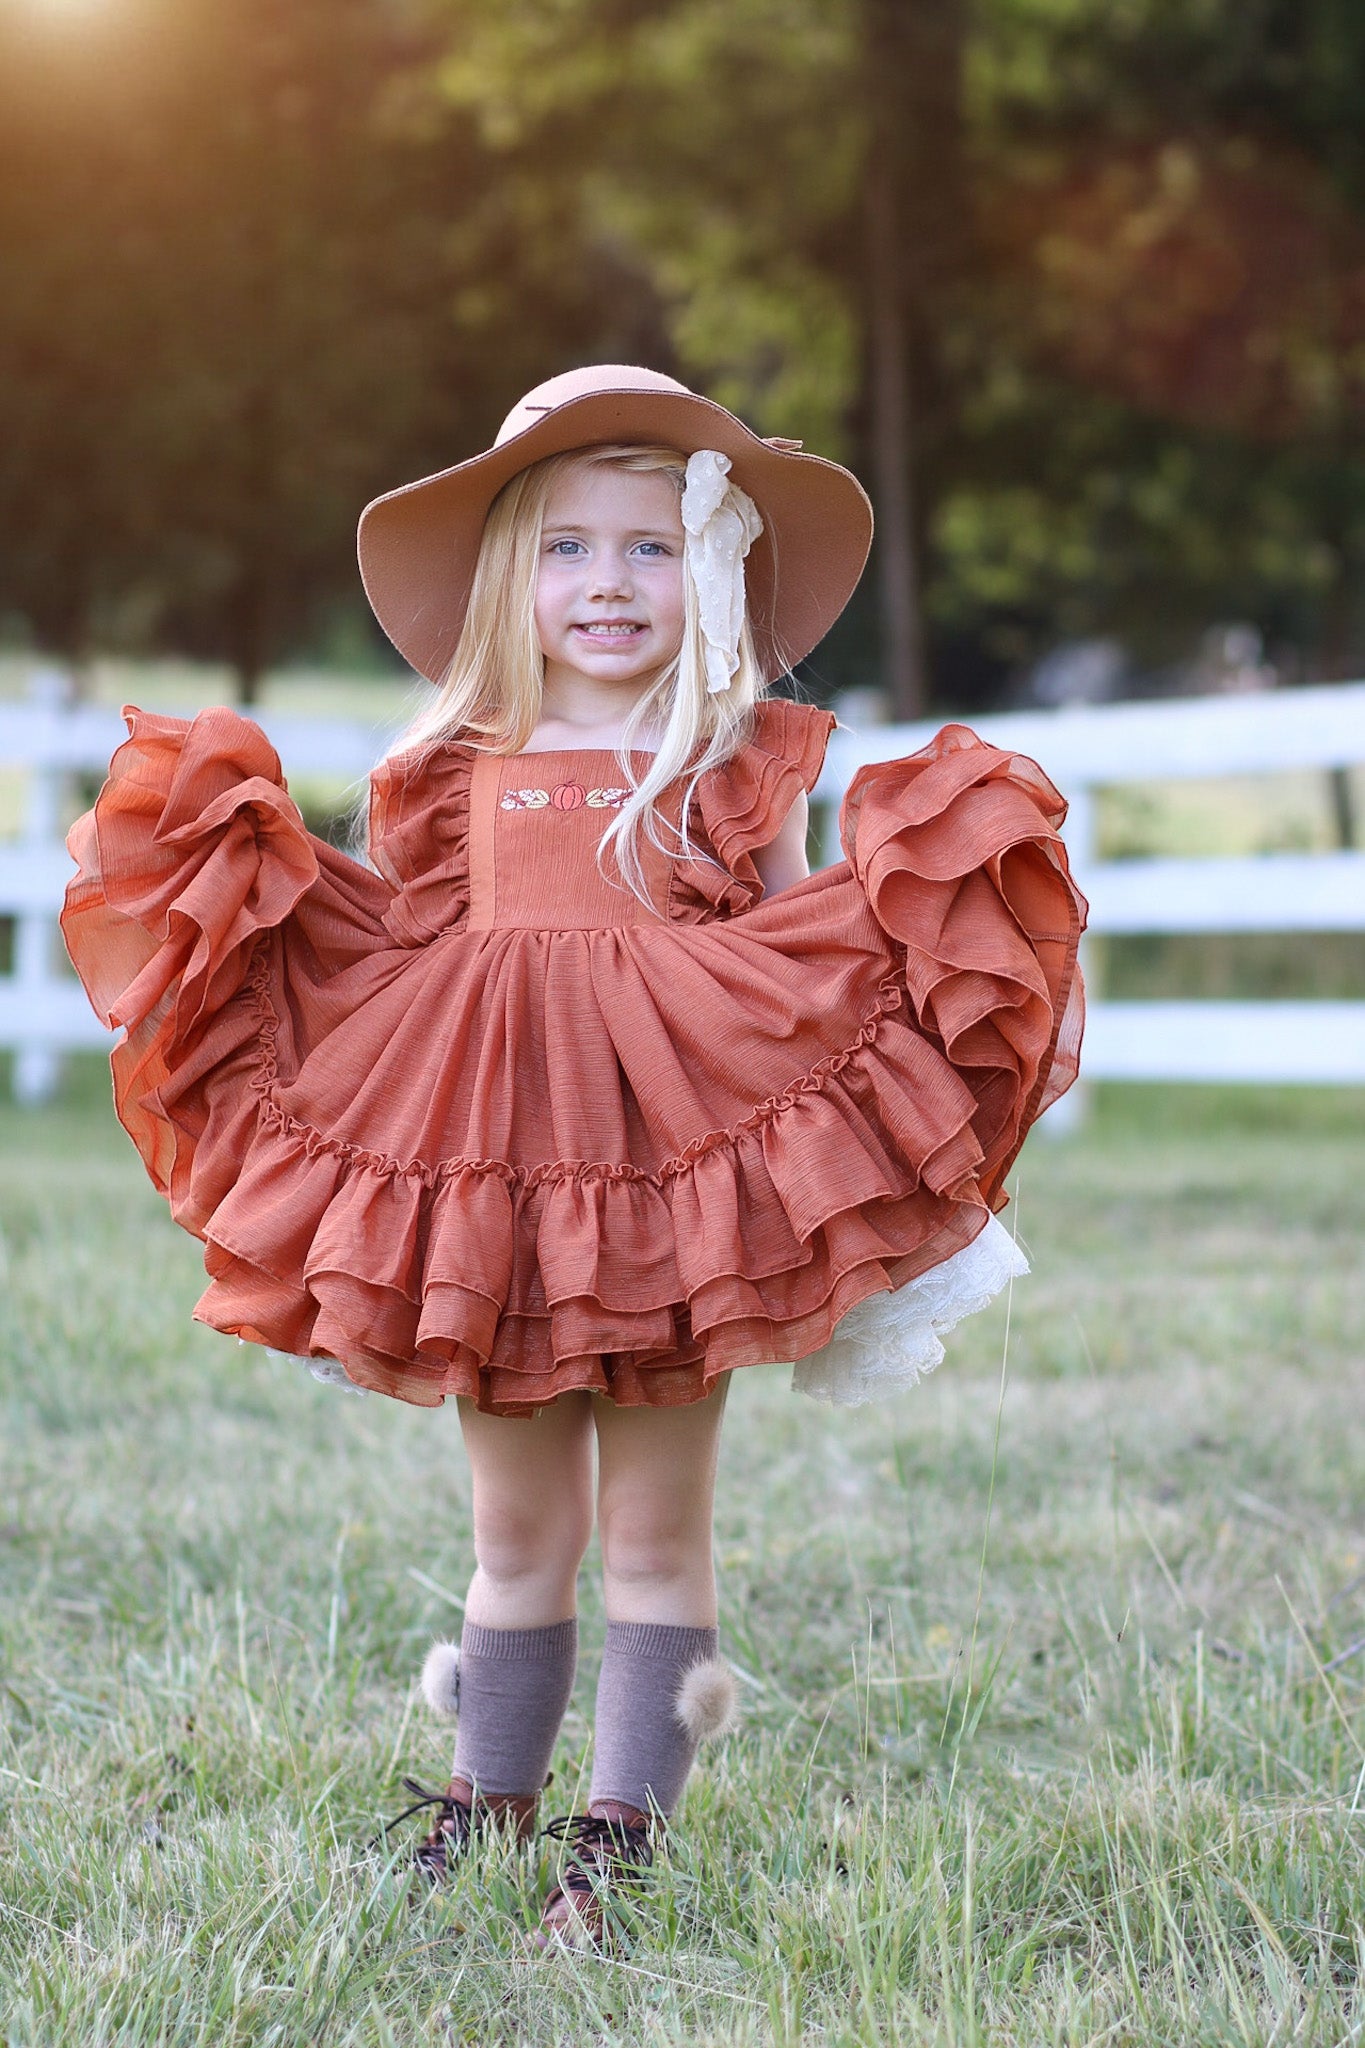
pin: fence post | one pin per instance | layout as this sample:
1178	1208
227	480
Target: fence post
1080	834
37	1064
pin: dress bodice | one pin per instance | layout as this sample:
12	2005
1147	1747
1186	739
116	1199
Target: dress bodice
481	842
535	824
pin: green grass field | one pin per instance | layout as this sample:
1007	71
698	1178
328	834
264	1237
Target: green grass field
1054	1699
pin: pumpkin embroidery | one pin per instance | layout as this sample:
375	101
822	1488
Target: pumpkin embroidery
566	796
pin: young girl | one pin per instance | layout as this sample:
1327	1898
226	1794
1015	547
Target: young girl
586	1094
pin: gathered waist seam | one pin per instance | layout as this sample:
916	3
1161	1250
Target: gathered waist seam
891	996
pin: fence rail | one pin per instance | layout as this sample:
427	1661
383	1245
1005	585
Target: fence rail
1087	750
43	1012
43	1009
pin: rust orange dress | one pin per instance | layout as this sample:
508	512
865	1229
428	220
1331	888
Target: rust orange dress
483	1123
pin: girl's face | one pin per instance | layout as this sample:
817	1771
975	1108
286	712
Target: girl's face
609	588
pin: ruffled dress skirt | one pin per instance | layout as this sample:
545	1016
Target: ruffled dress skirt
477	1121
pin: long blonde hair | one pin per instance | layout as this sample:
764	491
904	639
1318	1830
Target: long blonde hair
492	693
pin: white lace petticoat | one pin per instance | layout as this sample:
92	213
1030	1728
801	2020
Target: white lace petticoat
887	1343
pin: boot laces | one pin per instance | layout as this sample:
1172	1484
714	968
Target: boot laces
598	1848
449	1833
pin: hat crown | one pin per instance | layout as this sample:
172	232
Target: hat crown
581	383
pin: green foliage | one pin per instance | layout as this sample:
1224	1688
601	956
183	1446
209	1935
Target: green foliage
720	147
241	261
262	263
1132	277
1172	200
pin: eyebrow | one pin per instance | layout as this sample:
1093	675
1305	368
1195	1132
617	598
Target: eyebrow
568	526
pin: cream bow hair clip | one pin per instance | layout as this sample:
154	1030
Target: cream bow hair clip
721	523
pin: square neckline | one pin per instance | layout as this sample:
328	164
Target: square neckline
576	753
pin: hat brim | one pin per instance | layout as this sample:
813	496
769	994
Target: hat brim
418	545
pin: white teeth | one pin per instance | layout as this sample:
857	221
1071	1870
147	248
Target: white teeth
609	632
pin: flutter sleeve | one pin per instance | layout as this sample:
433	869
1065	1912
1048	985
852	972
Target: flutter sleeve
419	840
741	806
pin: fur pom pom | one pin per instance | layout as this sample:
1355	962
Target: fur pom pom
708	1700
441	1678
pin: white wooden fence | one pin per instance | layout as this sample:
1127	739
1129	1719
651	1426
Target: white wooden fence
43	1011
1085	750
43	1008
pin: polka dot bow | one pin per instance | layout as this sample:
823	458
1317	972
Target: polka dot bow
721	523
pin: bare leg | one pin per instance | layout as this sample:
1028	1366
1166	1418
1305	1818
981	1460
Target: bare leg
532	1512
519	1644
655	1505
656	1485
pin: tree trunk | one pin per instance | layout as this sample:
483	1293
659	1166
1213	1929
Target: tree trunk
904	663
916	249
249	630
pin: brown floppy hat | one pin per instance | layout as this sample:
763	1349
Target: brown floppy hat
418	545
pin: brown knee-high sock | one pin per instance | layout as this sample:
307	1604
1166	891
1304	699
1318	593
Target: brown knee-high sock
513	1688
646	1737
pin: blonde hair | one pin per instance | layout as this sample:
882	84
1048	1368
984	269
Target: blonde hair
493	690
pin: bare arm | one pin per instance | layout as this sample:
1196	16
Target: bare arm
783	860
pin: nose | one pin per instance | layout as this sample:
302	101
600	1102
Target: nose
611	575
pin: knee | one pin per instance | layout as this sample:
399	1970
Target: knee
520	1539
645	1539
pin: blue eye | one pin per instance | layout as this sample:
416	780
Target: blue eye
564	547
652	547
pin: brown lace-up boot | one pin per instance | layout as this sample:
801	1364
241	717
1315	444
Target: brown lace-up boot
609	1847
461	1813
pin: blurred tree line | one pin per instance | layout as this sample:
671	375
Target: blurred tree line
1077	286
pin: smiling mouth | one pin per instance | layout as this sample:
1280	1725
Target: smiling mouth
612	629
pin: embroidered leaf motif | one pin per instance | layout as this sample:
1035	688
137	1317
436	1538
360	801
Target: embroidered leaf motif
569	796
